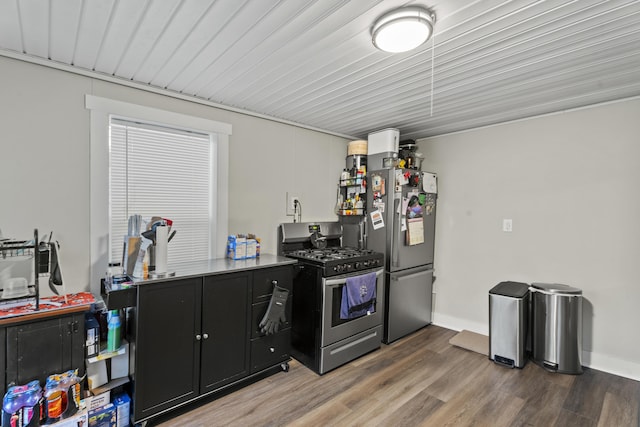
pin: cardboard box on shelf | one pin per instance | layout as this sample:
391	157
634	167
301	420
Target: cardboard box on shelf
104	416
94	402
80	419
92	327
120	364
97	374
123	407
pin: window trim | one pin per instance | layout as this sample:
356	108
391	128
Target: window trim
101	110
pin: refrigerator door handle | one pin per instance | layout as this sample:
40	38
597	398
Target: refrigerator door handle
395	240
410	276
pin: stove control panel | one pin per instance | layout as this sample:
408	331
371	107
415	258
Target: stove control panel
348	267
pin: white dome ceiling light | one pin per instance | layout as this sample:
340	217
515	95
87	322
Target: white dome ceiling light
403	29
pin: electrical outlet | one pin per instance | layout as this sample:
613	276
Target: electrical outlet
507	225
291	204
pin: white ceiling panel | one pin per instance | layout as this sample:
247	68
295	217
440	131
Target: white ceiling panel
63	33
170	39
94	26
10	29
34	22
148	32
312	62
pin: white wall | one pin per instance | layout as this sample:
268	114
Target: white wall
570	183
45	157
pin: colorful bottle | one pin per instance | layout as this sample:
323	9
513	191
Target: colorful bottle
21	405
61	395
113	331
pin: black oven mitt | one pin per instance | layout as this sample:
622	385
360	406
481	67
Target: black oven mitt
275	315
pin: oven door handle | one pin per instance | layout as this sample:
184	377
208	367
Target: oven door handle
339	282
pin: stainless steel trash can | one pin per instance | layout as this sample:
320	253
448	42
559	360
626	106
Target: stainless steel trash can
508	323
557	327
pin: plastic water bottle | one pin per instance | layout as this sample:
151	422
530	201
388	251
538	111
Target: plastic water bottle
21	404
113	331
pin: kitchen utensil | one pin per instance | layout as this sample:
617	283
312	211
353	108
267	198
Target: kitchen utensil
318	240
154	219
150	235
161	248
55	278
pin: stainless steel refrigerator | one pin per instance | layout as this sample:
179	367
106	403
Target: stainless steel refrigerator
401	210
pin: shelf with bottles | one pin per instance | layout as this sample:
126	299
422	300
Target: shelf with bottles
354	179
351	192
350	204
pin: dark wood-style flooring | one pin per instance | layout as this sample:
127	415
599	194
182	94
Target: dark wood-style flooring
421	380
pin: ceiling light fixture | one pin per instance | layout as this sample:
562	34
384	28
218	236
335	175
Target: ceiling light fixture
403	29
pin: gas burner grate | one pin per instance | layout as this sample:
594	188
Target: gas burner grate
330	254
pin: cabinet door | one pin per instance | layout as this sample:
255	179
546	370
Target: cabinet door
225	323
38	349
167	349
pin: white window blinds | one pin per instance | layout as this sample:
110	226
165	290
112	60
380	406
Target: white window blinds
158	171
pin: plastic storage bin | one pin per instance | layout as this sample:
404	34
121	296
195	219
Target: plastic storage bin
557	327
508	323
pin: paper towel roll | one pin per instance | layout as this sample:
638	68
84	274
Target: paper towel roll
161	248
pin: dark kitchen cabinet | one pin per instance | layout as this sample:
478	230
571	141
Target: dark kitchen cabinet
269	350
225	328
191	338
167	353
197	333
35	349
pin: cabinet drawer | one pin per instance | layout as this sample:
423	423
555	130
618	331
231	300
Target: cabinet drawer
270	350
263	281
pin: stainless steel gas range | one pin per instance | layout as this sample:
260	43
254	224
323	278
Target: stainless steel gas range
325	334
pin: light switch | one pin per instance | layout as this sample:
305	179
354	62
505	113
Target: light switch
507	225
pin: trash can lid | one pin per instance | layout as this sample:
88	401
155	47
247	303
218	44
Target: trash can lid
556	288
510	289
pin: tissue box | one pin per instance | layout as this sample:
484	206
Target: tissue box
122	403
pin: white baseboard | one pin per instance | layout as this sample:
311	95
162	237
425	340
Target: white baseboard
601	362
612	365
458	324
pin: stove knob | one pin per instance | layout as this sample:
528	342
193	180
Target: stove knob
358	265
335	268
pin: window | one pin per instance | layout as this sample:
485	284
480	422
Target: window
103	110
165	172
